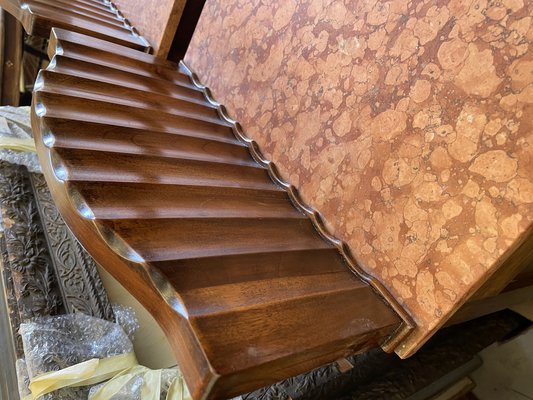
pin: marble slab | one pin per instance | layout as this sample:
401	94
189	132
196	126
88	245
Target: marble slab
407	124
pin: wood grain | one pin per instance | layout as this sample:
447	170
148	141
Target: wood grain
11	60
161	193
95	18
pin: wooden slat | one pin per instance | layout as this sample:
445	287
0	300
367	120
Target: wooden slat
117	94
108	74
106	201
61	106
38	17
74	134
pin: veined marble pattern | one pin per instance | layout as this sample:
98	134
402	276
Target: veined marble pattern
407	124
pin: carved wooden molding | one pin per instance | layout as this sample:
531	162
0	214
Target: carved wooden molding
162	194
45	270
100	19
78	278
34	280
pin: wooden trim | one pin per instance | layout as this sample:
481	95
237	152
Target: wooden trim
11	304
185	29
45	271
101	20
157	189
33	277
12	60
74	267
2	50
158	20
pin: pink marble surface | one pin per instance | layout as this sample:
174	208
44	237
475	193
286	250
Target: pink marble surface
407	124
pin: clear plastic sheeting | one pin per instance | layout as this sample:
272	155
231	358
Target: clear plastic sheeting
132	385
74	352
16	140
126	318
57	342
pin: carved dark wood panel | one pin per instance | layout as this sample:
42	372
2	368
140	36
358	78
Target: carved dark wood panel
34	280
78	278
45	270
165	195
99	19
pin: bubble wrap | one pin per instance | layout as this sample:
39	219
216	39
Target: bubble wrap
58	342
126	318
15	122
132	390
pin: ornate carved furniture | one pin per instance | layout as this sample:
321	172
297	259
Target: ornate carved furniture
44	269
92	17
184	211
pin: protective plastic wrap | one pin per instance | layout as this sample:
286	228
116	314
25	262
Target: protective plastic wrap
132	388
58	342
16	140
125	317
86	350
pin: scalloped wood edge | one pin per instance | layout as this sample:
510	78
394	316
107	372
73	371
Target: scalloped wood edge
270	298
408	324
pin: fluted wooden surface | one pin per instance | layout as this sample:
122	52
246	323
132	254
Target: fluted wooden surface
162	194
97	18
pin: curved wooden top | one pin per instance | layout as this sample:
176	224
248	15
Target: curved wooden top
160	191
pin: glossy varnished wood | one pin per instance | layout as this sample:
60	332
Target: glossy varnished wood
95	18
168	199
